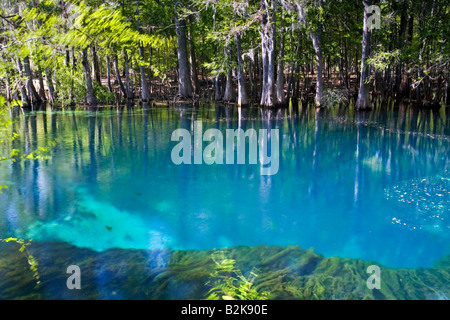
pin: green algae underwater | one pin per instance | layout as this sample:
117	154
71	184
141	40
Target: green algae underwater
286	273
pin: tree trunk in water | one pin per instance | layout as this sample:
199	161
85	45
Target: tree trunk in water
149	72
251	77
268	27
51	88
25	101
145	96
74	67
281	98
184	77
108	73
294	69
346	74
130	93
32	93
67	58
242	93
144	86
316	37
317	44
193	65
218	94
95	65
447	89
8	87
363	101
229	90
118	78
291	77
91	99
41	91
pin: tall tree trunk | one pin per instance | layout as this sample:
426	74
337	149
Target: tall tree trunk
399	89
264	55
130	94
51	88
242	93
118	78
149	71
91	99
447	89
8	87
25	101
67	58
281	98
289	87
108	73
145	96
193	64
218	92
184	77
72	72
268	33
229	88
95	65
251	77
32	93
41	91
346	67
316	37
363	101
294	68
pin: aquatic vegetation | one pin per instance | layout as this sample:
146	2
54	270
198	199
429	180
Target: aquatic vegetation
285	272
26	253
228	283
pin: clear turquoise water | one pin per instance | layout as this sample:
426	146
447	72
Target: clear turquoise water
374	186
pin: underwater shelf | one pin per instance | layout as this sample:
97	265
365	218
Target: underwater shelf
286	272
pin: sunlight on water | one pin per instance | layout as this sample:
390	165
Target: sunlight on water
423	204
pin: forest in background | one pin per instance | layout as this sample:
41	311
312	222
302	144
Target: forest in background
267	52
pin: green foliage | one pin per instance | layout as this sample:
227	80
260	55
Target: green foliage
102	94
71	87
332	97
381	59
23	249
228	283
40	153
7	136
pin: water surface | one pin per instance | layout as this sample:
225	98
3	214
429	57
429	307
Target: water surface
372	186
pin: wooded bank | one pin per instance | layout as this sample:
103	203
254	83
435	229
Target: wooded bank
262	51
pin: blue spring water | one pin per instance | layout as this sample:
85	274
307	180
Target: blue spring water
373	186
